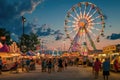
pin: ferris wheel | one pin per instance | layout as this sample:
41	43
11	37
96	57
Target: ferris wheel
84	22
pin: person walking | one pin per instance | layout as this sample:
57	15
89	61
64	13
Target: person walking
44	65
116	65
92	64
27	64
0	65
97	67
60	64
49	65
106	69
22	64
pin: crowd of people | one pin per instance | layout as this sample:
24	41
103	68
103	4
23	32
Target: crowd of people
53	64
46	64
58	64
104	66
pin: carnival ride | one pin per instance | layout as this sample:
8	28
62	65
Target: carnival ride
84	23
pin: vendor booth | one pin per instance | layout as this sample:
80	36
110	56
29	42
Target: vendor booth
9	55
112	52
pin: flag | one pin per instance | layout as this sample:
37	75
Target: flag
23	19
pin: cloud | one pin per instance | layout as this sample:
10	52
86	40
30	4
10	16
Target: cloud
10	18
58	35
43	30
16	9
11	12
114	36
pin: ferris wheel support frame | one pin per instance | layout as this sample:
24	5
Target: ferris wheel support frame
73	41
90	39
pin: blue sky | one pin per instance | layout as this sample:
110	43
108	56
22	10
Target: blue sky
48	17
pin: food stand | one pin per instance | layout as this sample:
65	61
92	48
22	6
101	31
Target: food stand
7	60
9	55
112	52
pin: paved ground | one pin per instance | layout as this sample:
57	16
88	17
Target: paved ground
71	73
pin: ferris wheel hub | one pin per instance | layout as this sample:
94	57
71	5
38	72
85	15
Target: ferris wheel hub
81	24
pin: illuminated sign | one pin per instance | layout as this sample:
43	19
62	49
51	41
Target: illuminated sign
109	48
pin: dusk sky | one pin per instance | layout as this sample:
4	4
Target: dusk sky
46	18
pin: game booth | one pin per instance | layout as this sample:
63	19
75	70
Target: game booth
113	53
9	55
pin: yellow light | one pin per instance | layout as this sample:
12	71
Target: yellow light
81	24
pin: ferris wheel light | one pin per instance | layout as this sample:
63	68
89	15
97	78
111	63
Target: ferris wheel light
65	23
102	22
79	4
93	7
86	3
99	12
98	40
65	30
68	14
68	37
73	8
102	30
103	26
98	9
102	34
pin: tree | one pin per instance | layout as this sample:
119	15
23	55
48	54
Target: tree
29	42
5	36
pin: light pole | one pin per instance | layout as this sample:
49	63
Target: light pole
23	21
22	38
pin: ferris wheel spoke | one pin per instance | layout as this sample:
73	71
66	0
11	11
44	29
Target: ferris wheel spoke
97	23
80	12
74	35
92	33
92	14
72	26
84	12
95	28
92	19
72	30
78	33
89	12
67	20
91	41
74	10
73	17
